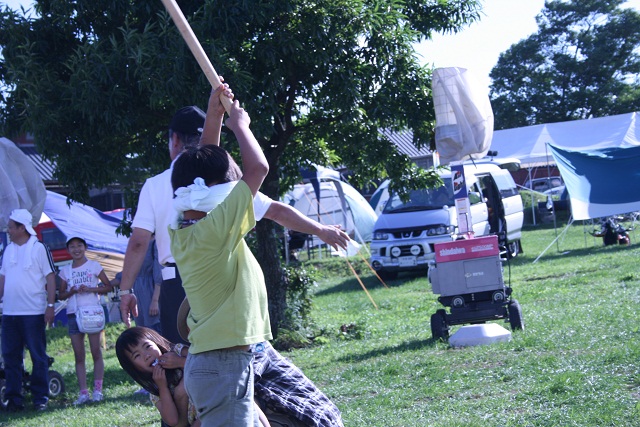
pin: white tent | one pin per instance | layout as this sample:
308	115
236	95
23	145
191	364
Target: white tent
380	196
336	203
529	144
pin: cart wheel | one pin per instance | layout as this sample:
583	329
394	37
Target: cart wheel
439	328
515	316
56	384
3	388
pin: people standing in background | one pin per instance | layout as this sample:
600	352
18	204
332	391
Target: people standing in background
82	283
28	292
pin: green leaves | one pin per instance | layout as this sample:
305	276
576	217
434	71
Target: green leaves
582	63
109	74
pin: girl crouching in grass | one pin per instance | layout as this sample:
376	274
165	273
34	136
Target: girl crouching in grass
157	365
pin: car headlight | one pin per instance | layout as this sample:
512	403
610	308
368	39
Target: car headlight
379	235
440	230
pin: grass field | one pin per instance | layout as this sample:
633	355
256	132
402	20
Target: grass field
575	364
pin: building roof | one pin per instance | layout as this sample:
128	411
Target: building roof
44	167
404	141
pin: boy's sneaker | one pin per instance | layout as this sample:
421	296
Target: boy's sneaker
82	399
97	396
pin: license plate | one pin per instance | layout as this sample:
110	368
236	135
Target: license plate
407	261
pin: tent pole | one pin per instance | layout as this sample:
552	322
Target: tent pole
533	210
556	239
553	209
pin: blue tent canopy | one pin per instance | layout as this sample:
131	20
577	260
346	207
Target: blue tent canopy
97	228
600	182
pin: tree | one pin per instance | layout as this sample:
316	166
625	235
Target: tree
583	62
96	82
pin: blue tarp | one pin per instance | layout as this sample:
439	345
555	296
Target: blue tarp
600	182
96	227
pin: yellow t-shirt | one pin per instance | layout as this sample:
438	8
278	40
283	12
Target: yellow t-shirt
221	277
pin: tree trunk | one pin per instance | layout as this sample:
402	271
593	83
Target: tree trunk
268	256
269	260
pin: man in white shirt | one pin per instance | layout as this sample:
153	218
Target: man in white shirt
28	293
155	212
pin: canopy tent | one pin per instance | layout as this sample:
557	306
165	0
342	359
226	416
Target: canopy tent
600	182
529	144
96	227
335	203
20	184
380	196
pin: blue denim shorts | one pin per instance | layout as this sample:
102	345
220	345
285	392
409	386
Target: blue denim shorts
220	385
72	324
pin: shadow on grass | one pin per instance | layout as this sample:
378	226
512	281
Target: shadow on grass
112	376
555	252
370	282
397	349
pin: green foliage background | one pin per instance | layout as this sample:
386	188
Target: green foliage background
583	62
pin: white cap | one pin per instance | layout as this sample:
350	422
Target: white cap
24	217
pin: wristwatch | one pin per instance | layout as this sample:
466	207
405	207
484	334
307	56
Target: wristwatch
126	292
50	305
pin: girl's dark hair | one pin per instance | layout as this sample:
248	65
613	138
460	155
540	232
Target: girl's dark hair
209	162
132	337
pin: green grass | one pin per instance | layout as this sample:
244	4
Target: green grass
575	364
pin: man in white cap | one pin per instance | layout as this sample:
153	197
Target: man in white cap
155	212
28	292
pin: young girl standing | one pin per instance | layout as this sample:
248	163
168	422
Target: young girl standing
82	283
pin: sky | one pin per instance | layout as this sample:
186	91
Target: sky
477	47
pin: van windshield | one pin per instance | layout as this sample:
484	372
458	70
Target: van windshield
422	200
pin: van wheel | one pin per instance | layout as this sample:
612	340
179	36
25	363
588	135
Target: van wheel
513	249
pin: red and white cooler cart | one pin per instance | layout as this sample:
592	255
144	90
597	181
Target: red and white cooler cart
468	277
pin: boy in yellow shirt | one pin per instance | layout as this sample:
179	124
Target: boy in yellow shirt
222	279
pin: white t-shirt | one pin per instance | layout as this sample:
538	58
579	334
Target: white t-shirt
87	274
25	291
155	211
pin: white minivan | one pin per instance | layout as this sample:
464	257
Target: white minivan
404	234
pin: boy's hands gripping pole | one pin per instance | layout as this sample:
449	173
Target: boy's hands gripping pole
195	47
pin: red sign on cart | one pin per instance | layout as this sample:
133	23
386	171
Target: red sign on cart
479	247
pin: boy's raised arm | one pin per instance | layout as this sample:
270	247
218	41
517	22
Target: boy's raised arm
215	114
254	164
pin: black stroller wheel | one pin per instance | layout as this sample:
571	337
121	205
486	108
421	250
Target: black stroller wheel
56	384
3	388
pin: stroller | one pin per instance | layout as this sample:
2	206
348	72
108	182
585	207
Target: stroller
612	232
56	382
